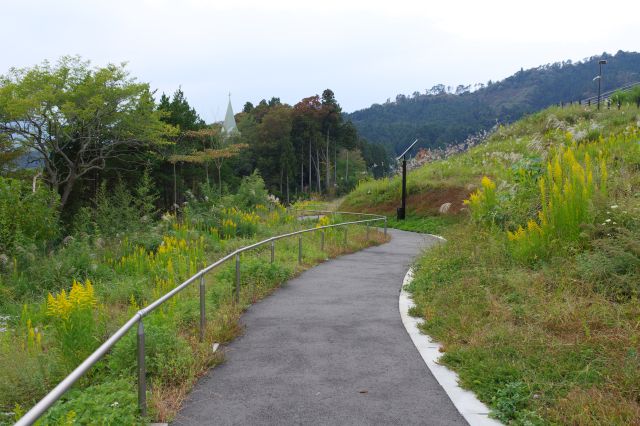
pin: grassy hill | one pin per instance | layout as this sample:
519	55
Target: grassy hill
439	117
535	294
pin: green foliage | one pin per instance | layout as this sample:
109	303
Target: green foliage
566	196
146	197
252	192
9	155
483	202
121	209
168	357
178	112
53	271
27	371
26	216
114	211
94	116
510	403
632	96
74	322
114	402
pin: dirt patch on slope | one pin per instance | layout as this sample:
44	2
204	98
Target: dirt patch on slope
426	202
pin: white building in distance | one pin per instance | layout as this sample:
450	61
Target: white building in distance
229	126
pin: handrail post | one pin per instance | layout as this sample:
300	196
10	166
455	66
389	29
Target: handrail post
202	308
142	373
385	227
238	278
322	240
273	251
300	250
367	231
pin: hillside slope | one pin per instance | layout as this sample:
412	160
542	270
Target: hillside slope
535	294
440	118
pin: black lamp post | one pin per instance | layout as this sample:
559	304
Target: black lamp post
601	62
402	210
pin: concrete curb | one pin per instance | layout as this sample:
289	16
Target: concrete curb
473	411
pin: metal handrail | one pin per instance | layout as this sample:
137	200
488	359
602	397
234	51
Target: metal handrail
608	93
56	393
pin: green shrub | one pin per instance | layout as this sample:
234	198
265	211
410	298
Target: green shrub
510	403
251	192
483	203
52	272
26	216
120	210
73	317
168	356
566	194
113	402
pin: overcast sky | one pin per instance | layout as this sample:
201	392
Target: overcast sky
365	51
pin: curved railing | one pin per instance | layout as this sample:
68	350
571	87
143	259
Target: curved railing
39	409
606	95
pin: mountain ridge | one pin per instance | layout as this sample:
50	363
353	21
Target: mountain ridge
441	117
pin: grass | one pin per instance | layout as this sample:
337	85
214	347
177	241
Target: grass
423	224
543	333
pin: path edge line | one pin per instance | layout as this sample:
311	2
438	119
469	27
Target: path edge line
468	405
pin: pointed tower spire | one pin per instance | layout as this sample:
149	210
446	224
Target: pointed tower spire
229	126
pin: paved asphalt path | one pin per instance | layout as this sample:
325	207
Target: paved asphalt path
328	348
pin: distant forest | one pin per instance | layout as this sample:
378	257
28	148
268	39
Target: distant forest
86	131
445	115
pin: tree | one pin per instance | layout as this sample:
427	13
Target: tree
331	117
248	107
76	118
179	113
213	149
9	154
273	148
307	130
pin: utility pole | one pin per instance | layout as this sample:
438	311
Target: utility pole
601	62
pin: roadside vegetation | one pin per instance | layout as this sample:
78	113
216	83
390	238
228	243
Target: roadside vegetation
535	295
108	201
60	303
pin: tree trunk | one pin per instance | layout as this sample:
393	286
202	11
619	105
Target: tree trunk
309	165
335	162
66	192
287	187
328	182
318	170
220	180
346	173
175	189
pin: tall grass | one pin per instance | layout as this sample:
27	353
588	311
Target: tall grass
566	196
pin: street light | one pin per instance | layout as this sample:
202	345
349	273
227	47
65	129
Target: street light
601	62
402	210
